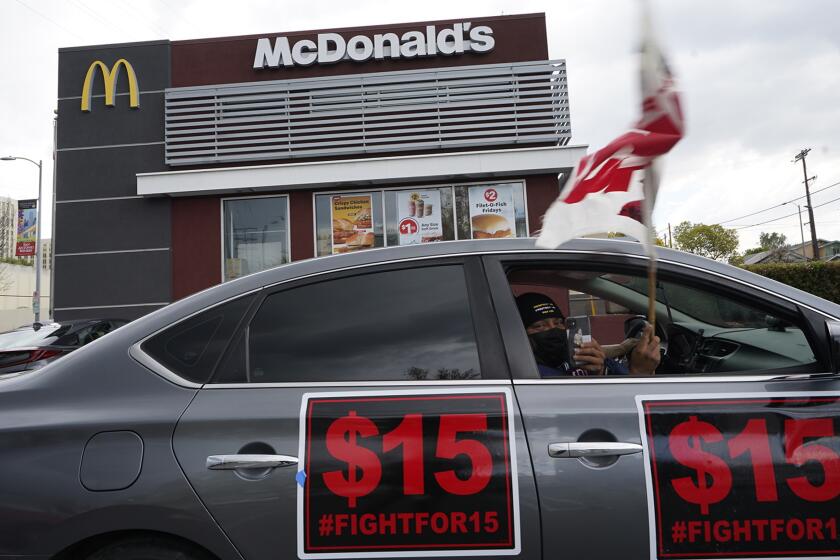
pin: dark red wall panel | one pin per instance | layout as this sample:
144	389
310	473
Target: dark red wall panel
541	191
196	245
230	59
302	225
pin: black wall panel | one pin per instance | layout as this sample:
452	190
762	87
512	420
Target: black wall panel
120	224
107	283
105	173
108	126
112	279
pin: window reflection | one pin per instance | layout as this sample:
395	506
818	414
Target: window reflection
255	235
398	325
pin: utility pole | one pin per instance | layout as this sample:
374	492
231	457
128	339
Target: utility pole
670	238
815	244
801	230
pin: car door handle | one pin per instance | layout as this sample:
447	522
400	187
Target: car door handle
578	449
232	462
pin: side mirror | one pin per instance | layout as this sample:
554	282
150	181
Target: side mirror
775	324
833	330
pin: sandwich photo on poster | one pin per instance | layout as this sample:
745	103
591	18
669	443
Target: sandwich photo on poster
419	216
352	223
492	213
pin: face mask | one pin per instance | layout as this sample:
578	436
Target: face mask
551	347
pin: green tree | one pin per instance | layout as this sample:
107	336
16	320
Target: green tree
737	259
711	241
770	241
14	260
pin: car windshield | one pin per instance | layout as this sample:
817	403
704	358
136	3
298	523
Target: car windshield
28	336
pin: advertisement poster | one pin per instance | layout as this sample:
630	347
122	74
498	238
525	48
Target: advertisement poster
419	216
352	223
27	228
492	213
407	473
742	476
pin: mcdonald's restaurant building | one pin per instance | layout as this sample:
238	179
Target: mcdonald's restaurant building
182	164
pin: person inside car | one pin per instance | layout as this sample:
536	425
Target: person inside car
546	328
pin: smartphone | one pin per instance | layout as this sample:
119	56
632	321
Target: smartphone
578	331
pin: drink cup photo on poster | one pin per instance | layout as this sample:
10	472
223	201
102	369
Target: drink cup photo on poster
419	215
492	214
352	223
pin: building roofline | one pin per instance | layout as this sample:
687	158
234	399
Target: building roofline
115	45
363	28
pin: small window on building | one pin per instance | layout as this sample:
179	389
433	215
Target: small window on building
399	325
256	235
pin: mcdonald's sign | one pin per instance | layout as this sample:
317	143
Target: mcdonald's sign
110	78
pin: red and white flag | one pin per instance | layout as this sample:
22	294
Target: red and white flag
614	189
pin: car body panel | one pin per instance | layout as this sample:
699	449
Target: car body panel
581	497
260	515
46	419
48	416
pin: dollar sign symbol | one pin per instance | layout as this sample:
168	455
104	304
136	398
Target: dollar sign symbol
341	443
695	457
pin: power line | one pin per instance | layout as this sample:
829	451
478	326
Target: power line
49	19
95	15
785	216
790	225
148	22
177	11
777	205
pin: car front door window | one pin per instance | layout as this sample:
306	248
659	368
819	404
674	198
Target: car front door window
704	331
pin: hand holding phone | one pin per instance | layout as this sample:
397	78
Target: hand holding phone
585	352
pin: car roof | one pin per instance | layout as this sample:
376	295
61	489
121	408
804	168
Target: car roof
583	246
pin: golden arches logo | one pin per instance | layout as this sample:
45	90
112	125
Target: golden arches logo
110	77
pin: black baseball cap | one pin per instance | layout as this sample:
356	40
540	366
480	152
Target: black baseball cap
535	307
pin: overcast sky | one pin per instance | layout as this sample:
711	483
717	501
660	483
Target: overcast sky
761	80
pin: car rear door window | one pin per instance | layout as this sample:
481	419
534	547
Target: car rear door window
397	325
192	348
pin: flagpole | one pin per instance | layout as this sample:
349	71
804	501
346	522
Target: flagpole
650	184
652	283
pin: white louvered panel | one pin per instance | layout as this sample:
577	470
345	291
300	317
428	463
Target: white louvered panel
369	113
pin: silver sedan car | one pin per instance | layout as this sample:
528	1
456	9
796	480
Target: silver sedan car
400	403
